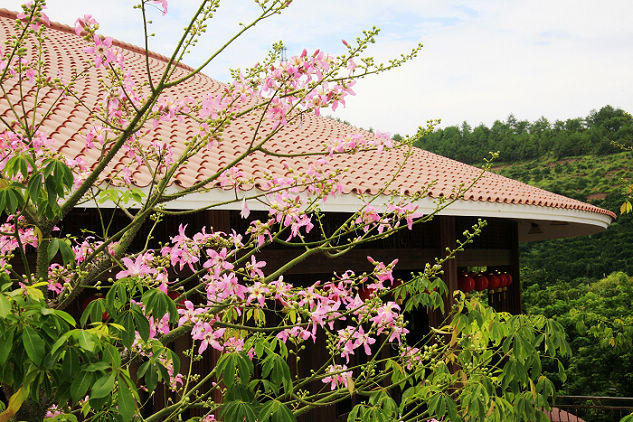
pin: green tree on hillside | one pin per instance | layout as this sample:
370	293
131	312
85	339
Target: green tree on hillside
518	140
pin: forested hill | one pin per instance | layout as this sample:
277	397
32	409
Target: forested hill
575	158
569	279
520	140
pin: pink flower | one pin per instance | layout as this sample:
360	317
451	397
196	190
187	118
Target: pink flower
102	50
337	376
386	316
137	267
209	337
163	4
189	313
86	23
257	292
254	266
245	212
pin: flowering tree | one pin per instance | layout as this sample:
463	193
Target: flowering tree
119	358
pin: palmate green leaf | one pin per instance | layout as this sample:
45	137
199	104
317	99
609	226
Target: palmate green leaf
275	411
60	342
226	367
65	417
19	163
34	188
127	336
158	304
10	199
33	345
151	376
238	411
65	316
113	354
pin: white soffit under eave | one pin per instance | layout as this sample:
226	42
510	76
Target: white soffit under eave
229	200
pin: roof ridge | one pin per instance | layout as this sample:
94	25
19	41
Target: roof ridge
62	27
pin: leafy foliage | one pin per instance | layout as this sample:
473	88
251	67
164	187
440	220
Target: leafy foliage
520	140
597	319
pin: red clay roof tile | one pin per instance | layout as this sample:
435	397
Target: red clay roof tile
368	171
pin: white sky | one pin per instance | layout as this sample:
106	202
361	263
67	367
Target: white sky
482	60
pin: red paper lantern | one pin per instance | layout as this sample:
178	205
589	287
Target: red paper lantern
481	282
466	283
494	281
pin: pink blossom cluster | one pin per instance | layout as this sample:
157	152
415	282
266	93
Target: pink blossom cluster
338	376
231	285
287	208
369	217
412	356
357	142
9	242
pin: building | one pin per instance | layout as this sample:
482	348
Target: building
515	212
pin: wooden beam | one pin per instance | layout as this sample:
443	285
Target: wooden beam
447	241
356	259
484	257
409	259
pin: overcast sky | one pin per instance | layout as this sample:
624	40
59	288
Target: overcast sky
482	60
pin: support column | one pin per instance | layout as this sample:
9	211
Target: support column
514	291
447	240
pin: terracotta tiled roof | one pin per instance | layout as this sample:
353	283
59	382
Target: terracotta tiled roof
367	173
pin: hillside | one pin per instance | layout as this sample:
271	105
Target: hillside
596	179
578	158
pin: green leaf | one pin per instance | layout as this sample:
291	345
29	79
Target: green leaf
142	369
127	404
127	336
142	324
85	339
226	366
245	366
68	256
627	418
60	342
33	345
52	249
114	354
6	344
158	304
65	417
79	386
102	387
65	316
151	377
5	306
100	366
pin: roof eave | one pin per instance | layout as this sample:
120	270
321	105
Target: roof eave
535	222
